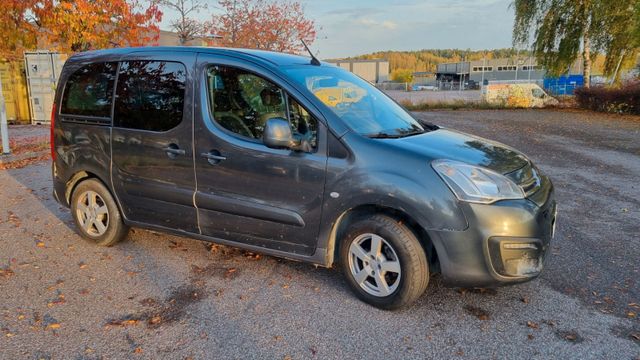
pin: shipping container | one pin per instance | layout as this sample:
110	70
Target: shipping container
42	71
14	91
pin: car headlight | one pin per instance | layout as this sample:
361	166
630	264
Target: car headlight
476	184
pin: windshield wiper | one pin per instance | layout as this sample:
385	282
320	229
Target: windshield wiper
400	134
383	135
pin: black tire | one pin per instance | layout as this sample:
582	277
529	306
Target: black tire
408	284
103	229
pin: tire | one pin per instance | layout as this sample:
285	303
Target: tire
400	264
96	214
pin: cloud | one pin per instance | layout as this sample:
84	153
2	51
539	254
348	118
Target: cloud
386	24
355	11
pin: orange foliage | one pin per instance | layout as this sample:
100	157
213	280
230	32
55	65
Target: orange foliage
77	25
262	24
16	33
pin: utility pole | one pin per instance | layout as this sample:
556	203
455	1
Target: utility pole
4	130
484	63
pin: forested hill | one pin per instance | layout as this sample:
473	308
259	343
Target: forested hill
428	59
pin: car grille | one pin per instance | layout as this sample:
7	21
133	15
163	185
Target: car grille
527	177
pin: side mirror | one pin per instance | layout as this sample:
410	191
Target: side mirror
277	134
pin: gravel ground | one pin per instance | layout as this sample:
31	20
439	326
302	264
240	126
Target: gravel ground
160	296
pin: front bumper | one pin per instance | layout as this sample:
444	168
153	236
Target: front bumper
506	242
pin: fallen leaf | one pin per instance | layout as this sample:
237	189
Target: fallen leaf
53	326
122	323
6	272
477	312
532	324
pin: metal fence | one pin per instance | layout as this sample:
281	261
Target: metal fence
393	86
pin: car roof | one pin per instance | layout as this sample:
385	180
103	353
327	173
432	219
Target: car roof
275	58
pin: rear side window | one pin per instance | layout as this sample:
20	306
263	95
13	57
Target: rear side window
89	91
150	95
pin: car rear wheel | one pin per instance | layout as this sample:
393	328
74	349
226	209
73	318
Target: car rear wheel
384	262
96	214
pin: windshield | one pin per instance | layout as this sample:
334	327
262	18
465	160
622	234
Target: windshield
363	107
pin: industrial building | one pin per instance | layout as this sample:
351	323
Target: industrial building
374	71
473	73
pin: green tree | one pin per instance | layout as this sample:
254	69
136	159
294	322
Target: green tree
562	30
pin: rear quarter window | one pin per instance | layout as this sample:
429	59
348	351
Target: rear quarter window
89	91
150	95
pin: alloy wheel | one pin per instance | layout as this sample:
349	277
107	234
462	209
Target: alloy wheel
374	265
92	213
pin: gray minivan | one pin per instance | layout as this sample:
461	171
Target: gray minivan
291	157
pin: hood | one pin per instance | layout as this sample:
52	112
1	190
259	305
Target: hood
455	145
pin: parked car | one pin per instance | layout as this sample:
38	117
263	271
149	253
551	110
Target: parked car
243	148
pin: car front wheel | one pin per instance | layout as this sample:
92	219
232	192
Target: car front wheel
384	262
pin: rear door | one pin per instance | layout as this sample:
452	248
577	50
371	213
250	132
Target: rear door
152	167
247	192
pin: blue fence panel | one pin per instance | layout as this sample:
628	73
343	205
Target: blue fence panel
563	85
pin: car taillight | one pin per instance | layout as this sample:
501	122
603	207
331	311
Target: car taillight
53	118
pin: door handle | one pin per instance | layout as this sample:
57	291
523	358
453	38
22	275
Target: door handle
173	151
213	157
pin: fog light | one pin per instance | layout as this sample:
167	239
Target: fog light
516	257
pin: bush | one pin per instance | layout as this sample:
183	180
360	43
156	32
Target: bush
402	75
622	100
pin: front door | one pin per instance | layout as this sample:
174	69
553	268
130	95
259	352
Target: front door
152	167
247	192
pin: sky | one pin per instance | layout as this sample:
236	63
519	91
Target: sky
355	27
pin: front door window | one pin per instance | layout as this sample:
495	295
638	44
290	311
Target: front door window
242	102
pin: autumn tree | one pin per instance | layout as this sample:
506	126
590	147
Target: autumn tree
77	25
185	25
428	59
17	31
276	25
402	75
563	30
